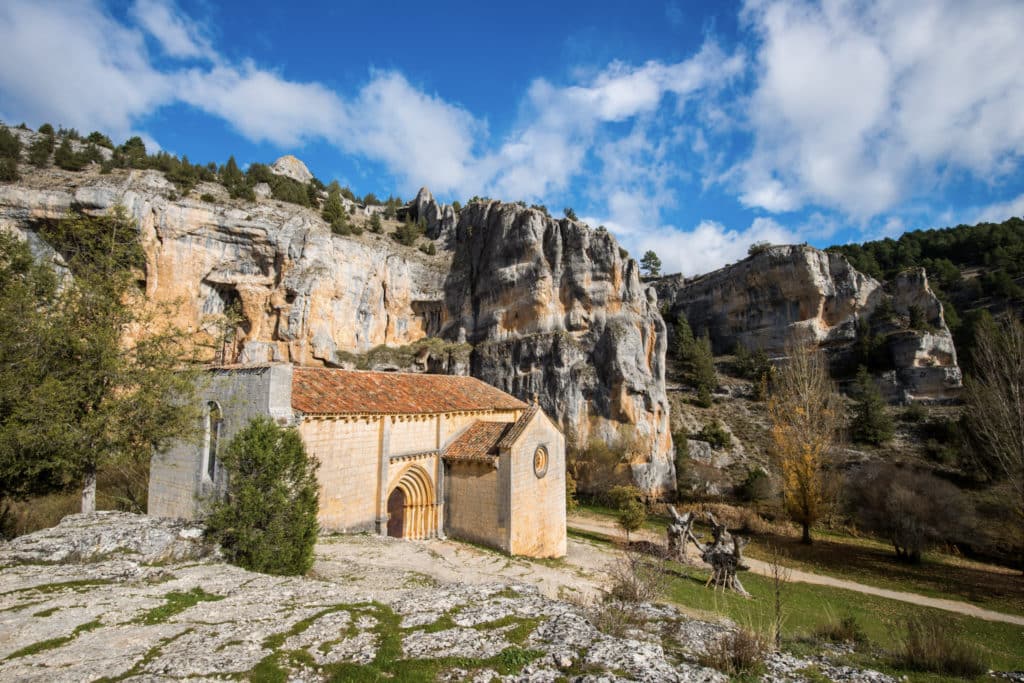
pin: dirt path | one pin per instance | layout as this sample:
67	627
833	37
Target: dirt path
608	528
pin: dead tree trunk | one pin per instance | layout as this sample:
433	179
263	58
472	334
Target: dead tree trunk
724	553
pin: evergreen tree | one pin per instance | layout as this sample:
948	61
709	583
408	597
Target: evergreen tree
39	151
651	263
570	213
334	210
66	158
268	520
75	395
871	423
10	145
9	170
133	152
696	361
375	224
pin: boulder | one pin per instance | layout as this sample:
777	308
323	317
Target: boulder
291	167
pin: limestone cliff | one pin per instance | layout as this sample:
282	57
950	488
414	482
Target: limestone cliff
786	291
555	308
547	307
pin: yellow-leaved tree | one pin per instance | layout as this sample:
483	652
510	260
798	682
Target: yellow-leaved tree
805	412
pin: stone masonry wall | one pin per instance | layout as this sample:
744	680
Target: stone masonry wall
473	504
349	456
178	484
537	504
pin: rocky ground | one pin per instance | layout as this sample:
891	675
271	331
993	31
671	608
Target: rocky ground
123	597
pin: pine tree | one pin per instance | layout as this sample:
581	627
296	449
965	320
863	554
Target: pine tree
696	361
651	263
871	423
375	224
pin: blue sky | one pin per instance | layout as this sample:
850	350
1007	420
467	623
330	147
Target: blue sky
689	128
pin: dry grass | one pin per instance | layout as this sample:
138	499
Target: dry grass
738	653
118	487
845	630
637	577
930	645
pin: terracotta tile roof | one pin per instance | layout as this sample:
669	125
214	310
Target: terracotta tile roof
326	391
478	442
518	427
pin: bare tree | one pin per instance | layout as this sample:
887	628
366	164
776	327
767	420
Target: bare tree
995	402
804	411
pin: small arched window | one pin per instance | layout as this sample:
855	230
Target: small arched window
214	425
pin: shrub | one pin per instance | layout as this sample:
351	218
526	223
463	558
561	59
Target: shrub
846	630
915	412
715	434
429	248
268	519
912	509
407	233
931	645
46	129
636	577
756	487
10	145
8	170
207	197
738	653
758	247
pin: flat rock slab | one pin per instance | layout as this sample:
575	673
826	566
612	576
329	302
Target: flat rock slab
124	619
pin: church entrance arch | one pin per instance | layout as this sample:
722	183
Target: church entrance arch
412	506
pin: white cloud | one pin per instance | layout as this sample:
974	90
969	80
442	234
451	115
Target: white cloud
419	137
562	124
859	105
71	64
1000	211
262	105
708	246
178	35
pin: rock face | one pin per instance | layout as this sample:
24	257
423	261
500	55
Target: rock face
557	309
548	306
802	292
291	167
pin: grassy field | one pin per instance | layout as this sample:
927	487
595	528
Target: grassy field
808	608
874	563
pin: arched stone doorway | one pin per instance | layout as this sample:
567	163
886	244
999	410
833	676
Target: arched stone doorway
396	512
412	506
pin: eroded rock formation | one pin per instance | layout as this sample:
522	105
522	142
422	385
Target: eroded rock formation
548	307
797	290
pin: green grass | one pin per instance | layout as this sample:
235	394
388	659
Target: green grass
177	602
808	608
874	563
44	645
47	588
388	663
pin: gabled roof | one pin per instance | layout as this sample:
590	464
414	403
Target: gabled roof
478	442
328	391
513	434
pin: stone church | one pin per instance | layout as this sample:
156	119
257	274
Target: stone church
407	455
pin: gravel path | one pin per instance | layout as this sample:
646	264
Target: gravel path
608	528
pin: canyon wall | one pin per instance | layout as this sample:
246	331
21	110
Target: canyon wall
799	292
546	307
